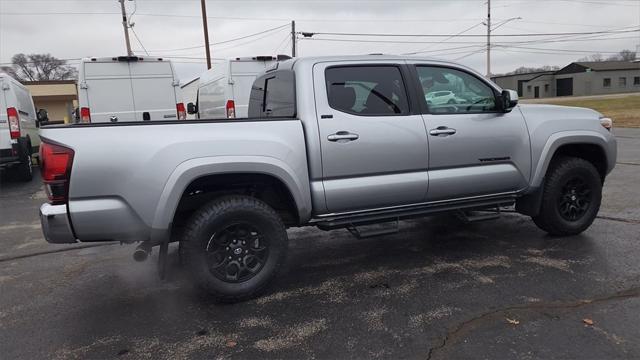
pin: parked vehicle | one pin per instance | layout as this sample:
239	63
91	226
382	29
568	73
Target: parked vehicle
18	127
332	142
223	91
128	88
440	97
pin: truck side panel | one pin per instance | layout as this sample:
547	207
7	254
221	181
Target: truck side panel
133	175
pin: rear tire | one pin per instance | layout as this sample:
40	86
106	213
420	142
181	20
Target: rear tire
24	171
234	247
571	197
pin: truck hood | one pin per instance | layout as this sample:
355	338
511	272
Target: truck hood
558	111
549	119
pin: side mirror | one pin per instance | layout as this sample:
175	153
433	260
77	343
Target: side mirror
192	108
509	100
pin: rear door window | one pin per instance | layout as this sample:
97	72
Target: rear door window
375	90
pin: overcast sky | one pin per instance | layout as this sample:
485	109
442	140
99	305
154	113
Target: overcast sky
71	29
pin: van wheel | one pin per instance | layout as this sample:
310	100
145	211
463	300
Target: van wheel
571	197
234	246
25	169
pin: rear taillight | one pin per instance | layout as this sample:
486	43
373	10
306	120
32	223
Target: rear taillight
231	109
85	115
56	161
14	122
182	113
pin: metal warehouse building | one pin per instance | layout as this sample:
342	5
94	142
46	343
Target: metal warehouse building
576	79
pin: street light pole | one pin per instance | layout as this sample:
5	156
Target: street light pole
206	32
125	24
488	38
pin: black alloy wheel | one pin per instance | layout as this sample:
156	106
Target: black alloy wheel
237	253
574	199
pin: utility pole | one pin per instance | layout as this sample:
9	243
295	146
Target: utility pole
293	38
125	24
488	38
206	33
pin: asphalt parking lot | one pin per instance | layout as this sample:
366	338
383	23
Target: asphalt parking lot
439	289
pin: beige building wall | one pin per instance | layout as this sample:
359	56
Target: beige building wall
58	97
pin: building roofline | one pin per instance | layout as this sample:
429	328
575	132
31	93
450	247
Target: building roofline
529	73
50	82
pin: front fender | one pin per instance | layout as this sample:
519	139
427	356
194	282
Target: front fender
558	139
296	180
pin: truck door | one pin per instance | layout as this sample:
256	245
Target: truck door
153	91
373	143
474	149
109	93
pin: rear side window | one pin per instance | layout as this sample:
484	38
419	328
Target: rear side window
273	95
367	90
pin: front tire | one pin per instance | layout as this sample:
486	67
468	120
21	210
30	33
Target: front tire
571	197
234	247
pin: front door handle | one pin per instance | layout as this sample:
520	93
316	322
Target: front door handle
442	131
343	136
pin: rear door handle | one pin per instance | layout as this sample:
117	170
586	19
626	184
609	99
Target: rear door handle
442	131
343	135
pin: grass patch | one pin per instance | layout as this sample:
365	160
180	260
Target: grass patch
624	110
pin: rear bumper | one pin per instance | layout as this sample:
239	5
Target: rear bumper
55	224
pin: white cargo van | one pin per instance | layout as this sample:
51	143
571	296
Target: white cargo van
18	127
223	91
128	88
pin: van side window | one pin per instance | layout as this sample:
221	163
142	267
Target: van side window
367	90
451	91
273	95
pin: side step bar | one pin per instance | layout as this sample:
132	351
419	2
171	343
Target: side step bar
366	231
468	217
381	216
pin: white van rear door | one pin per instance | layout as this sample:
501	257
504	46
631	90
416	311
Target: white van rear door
5	137
27	113
109	92
243	74
153	90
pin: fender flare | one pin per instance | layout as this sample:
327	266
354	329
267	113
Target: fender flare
558	139
190	170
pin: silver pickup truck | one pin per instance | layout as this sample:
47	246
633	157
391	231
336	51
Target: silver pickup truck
332	142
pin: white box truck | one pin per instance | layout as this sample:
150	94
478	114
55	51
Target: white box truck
128	88
18	127
223	91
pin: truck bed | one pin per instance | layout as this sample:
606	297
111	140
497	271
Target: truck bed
125	171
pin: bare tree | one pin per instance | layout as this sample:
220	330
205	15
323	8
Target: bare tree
627	55
37	67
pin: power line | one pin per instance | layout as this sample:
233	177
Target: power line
225	41
451	37
307	34
139	41
540	41
341	20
